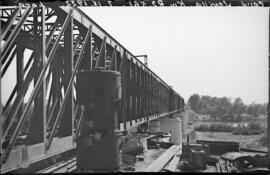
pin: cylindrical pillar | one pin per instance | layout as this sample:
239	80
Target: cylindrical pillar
98	146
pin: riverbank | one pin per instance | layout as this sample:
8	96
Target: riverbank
245	141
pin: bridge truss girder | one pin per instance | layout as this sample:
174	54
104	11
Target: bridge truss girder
50	45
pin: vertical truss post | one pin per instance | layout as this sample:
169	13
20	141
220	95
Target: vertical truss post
268	106
86	62
140	92
134	108
150	96
152	90
114	60
105	54
147	94
128	115
90	50
56	81
125	76
1	118
102	54
66	126
43	57
131	102
137	91
143	92
19	60
37	130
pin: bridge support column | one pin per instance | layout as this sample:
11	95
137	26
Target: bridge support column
1	117
98	146
66	126
20	74
37	128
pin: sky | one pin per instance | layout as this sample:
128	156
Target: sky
209	51
204	50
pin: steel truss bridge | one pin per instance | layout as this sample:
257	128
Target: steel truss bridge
48	45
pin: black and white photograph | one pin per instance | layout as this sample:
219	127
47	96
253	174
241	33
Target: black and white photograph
142	86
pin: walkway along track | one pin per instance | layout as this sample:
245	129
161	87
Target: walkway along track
165	162
61	167
162	162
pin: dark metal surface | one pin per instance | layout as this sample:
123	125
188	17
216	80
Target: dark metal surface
63	41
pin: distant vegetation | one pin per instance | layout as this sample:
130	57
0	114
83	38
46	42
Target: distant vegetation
253	128
225	109
214	128
263	140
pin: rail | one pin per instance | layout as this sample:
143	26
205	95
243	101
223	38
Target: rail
67	166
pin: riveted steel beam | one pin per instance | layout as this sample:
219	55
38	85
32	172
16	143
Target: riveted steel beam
102	54
68	89
8	24
66	126
85	21
15	32
114	60
36	88
37	130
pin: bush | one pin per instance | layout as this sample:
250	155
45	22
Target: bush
254	126
202	127
236	132
239	130
220	128
214	128
246	131
263	140
255	132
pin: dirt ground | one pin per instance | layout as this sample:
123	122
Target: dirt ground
250	141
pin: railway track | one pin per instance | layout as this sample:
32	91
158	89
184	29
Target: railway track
70	166
165	163
61	167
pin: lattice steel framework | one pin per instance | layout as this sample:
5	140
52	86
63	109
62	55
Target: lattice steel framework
49	45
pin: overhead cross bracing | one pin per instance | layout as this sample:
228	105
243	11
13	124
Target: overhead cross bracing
49	45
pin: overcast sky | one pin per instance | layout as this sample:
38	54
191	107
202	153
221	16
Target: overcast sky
209	51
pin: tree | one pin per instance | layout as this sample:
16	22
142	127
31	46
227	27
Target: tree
254	109
238	107
223	108
194	101
263	110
